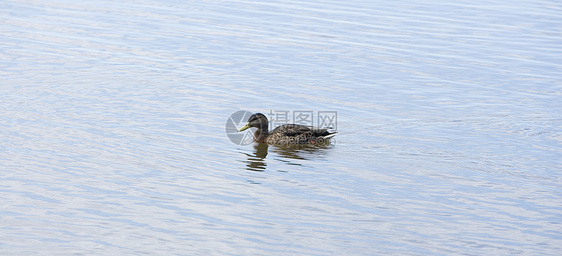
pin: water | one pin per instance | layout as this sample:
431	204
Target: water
113	143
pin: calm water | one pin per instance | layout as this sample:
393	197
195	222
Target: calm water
112	132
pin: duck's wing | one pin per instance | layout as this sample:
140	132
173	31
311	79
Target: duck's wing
293	130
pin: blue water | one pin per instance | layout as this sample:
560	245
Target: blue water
112	132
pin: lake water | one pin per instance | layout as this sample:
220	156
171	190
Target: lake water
113	113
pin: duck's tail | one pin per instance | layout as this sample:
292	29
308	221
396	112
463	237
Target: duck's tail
330	135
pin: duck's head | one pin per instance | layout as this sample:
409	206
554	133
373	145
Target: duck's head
257	120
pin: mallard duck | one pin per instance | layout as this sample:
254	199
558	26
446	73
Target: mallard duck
288	134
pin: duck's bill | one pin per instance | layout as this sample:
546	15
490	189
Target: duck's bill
245	127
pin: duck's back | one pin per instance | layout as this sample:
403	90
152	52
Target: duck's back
296	134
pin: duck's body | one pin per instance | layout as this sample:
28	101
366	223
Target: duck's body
288	134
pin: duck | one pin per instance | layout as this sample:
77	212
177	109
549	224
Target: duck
288	134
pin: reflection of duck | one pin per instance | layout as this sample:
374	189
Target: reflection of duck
256	161
288	154
288	134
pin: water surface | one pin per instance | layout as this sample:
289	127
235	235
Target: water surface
112	137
